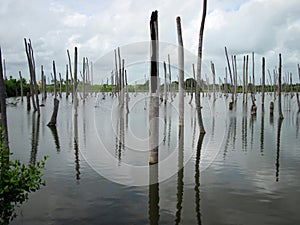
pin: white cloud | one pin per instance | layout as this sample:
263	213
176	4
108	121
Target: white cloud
265	27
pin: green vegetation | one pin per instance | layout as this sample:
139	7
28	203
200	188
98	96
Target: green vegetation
17	180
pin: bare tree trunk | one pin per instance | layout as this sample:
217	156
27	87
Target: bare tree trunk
263	82
28	101
21	83
116	74
127	96
83	76
279	89
253	77
60	83
54	114
165	84
67	81
3	115
180	72
54	74
214	79
154	91
199	61
231	80
244	81
170	78
52	121
30	66
75	99
235	76
72	80
192	84
246	76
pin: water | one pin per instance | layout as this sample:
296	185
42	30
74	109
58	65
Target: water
245	170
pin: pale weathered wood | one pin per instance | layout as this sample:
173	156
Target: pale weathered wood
154	90
199	62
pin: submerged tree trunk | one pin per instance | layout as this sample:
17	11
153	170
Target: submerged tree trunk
199	61
154	91
54	114
279	89
52	121
180	72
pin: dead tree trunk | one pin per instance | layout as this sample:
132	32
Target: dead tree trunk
60	84
117	72
30	59
214	79
165	84
67	81
75	99
279	89
52	122
192	84
154	91
180	72
54	79
231	80
21	84
28	101
253	77
199	61
246	88
70	68
170	78
263	83
3	116
244	80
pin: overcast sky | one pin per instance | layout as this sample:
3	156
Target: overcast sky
267	27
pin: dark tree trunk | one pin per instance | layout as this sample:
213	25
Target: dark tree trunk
54	114
279	89
199	61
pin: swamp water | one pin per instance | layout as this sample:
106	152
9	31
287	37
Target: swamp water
245	170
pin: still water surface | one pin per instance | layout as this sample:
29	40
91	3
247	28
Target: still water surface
245	170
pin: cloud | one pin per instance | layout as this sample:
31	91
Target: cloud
265	27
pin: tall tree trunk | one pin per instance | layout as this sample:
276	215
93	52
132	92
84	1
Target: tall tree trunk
279	89
246	88
154	91
214	79
253	76
117	72
75	99
170	78
244	80
54	74
180	72
263	83
67	81
199	61
231	79
165	84
60	84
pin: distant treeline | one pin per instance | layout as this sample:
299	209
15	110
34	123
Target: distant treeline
13	87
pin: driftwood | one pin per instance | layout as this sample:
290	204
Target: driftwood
180	72
199	61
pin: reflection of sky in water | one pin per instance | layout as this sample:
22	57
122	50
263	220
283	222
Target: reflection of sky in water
237	166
